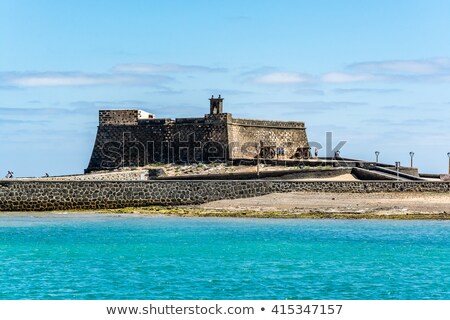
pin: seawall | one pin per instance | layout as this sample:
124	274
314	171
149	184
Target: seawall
34	195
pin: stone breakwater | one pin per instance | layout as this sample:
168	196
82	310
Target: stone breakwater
33	195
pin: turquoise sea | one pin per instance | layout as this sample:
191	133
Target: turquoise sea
57	256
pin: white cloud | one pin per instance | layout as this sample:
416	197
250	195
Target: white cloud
65	79
388	71
282	78
341	77
409	67
51	80
287	109
123	74
365	90
144	68
425	70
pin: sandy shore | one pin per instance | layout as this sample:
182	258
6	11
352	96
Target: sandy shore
394	202
395	205
342	177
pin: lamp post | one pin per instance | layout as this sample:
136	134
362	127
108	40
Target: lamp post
377	153
448	154
411	154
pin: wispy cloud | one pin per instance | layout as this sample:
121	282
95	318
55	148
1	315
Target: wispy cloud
98	104
24	112
425	70
272	76
282	78
343	77
21	121
421	122
166	91
290	108
309	92
413	67
154	75
365	90
150	68
386	71
377	121
397	108
229	92
7	87
405	124
77	79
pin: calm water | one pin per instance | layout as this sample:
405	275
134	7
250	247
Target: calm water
141	257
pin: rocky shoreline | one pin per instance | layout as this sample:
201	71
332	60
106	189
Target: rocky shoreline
314	205
294	214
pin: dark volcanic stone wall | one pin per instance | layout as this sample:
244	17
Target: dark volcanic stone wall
116	117
160	140
66	195
244	134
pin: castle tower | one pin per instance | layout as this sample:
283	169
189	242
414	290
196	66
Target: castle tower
215	105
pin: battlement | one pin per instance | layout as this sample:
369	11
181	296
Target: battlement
268	123
189	120
123	117
140	117
155	122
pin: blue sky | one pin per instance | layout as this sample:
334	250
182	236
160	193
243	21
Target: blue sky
375	73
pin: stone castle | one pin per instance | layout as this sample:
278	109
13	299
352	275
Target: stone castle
129	138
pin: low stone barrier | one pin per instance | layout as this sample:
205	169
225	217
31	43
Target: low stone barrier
115	176
33	195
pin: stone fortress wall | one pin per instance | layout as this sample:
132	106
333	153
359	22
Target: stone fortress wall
39	195
157	140
128	138
289	136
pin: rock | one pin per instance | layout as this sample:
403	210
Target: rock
154	173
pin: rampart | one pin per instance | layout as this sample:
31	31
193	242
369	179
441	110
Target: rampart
36	195
145	141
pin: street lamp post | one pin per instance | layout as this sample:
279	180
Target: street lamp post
448	154
377	153
411	154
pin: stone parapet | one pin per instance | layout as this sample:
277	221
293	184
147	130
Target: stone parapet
268	123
